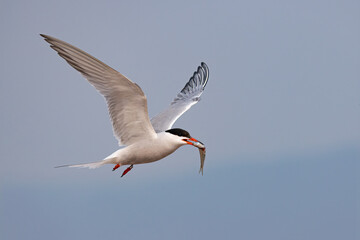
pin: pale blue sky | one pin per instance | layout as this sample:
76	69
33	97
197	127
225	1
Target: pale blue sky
280	119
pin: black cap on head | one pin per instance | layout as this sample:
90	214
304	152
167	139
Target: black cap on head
179	132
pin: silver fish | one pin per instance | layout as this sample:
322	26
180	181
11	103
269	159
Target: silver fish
202	151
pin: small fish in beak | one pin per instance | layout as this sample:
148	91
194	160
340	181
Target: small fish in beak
202	152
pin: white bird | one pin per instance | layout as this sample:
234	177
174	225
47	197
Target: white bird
146	141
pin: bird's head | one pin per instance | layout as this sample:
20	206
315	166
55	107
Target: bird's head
185	137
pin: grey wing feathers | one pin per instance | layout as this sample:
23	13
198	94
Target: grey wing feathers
126	101
187	97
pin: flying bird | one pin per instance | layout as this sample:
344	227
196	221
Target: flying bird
145	140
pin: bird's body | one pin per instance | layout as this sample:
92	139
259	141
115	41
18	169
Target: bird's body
145	141
146	151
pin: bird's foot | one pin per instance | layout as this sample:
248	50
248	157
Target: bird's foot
127	170
116	167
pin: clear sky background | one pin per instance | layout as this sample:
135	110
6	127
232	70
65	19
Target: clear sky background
280	117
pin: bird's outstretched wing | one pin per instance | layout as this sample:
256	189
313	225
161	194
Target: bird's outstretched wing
188	96
126	101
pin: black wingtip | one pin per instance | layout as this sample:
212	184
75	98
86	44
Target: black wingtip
43	35
204	65
206	70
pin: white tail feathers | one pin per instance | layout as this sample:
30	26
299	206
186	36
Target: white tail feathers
91	165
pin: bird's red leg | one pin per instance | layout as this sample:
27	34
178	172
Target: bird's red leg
127	170
116	167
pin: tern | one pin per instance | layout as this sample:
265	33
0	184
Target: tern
144	140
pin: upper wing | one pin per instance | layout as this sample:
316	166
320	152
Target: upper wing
188	96
126	101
